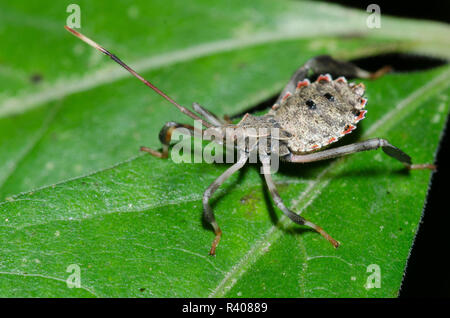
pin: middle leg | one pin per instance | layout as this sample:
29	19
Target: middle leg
369	144
165	136
290	214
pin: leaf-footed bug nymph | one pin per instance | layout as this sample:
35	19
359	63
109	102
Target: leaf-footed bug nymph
308	116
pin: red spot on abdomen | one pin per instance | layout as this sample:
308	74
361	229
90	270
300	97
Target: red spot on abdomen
348	129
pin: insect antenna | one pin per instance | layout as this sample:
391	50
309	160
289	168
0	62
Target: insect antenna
184	110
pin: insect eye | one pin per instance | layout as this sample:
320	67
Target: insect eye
310	103
329	97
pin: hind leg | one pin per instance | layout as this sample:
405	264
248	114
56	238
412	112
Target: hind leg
326	64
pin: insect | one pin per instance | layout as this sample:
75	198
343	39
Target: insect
309	117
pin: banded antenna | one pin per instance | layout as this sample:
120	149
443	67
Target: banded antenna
183	109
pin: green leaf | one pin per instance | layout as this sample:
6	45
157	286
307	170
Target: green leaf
135	229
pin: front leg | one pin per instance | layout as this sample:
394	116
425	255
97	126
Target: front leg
370	144
208	213
165	136
209	116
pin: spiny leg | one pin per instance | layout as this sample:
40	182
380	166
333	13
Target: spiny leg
290	214
165	136
369	144
326	64
207	210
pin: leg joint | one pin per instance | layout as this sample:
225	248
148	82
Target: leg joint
383	142
165	134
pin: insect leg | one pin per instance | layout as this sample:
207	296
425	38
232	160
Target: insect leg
210	117
290	214
165	135
326	64
207	210
369	144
